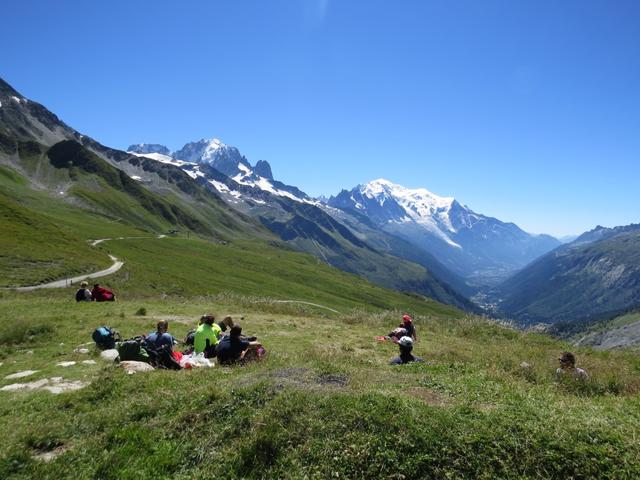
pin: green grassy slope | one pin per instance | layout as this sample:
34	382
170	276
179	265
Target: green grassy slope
324	404
185	267
52	201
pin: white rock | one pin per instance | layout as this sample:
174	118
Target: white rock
131	366
66	364
89	362
110	355
81	350
25	373
25	386
54	385
60	387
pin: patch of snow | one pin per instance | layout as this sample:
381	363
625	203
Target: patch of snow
195	173
136	177
159	157
16	99
221	187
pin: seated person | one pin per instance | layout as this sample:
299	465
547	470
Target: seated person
234	348
568	366
406	346
101	294
405	329
407	324
207	336
160	338
83	294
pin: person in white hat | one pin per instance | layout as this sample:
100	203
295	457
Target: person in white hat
406	346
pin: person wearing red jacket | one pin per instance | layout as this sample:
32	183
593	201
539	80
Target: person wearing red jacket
101	294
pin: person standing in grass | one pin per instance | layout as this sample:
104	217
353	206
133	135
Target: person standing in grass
568	367
406	347
83	294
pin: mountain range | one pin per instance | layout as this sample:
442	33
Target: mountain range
465	249
479	248
54	170
411	240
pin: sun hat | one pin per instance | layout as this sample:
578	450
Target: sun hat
405	342
407	318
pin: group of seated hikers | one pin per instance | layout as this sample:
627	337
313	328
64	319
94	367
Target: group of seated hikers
97	294
405	336
210	340
207	341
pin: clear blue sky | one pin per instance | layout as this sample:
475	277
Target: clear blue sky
526	111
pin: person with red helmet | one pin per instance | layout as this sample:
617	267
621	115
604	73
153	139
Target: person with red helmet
407	324
405	329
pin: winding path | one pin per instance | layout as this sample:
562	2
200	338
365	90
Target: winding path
307	303
65	282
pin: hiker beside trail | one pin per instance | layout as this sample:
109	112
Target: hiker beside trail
568	367
233	348
101	294
406	347
83	294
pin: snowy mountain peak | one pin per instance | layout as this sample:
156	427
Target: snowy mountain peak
149	148
421	198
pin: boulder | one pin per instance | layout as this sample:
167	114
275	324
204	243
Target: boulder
109	355
132	366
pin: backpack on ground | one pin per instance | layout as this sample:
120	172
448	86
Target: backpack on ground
161	357
131	349
105	338
190	338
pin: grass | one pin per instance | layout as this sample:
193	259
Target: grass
324	404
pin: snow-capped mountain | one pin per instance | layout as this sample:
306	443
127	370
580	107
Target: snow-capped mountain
470	244
225	159
149	148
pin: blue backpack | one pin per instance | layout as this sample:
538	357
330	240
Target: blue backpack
105	338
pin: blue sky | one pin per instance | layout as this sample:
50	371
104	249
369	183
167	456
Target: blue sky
526	111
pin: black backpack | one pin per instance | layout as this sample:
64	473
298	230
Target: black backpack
161	357
105	338
190	338
131	349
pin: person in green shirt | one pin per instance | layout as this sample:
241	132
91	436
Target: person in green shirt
207	336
